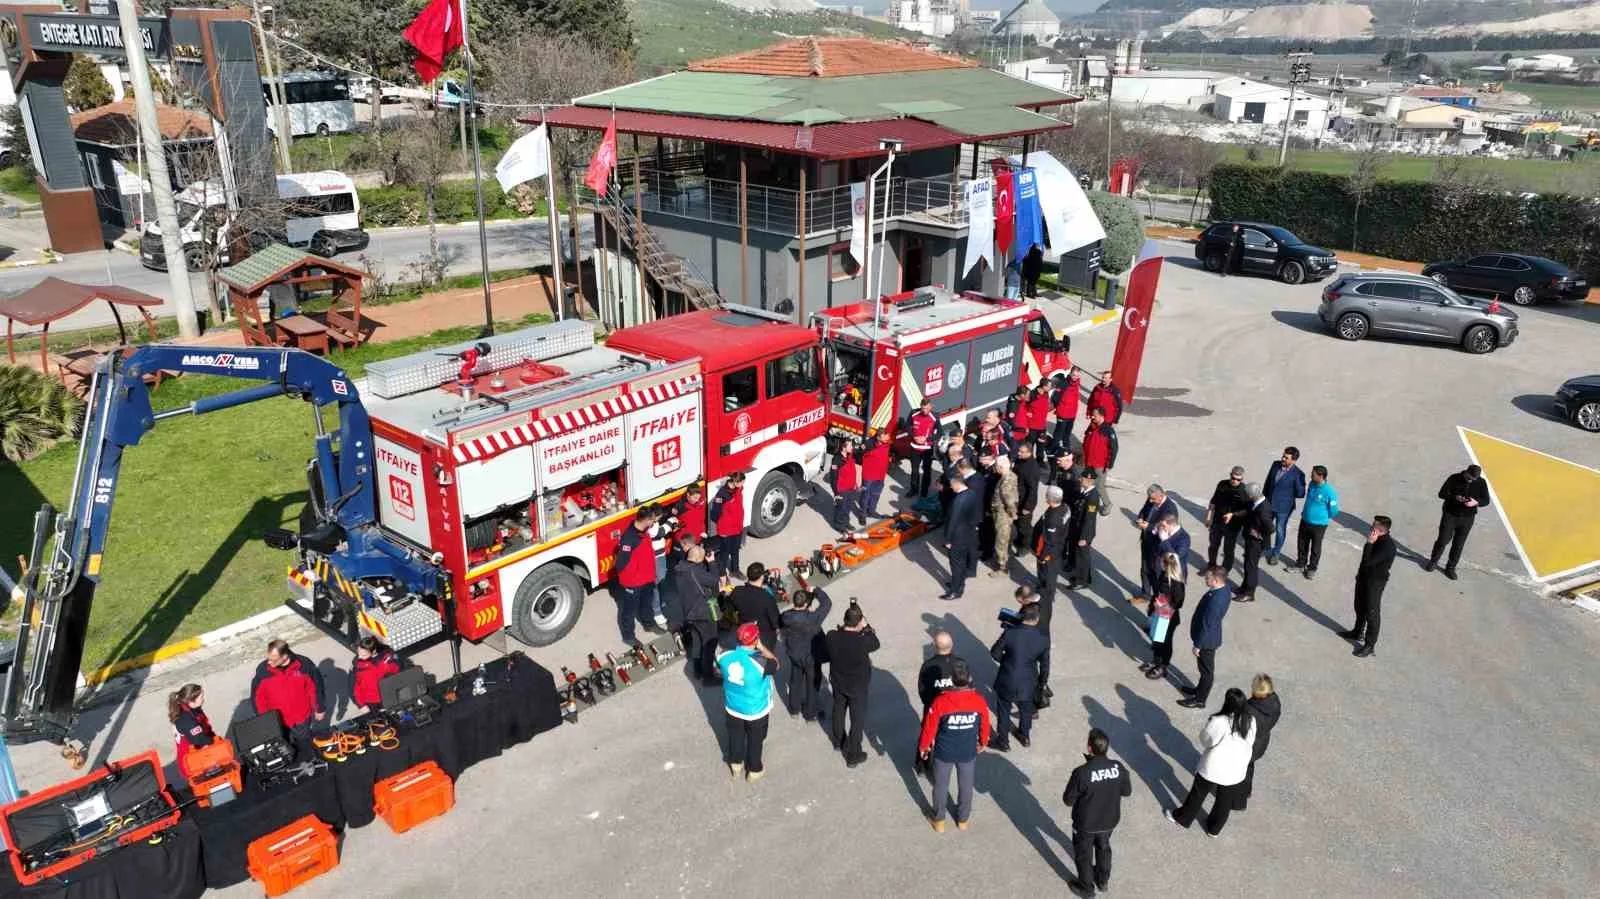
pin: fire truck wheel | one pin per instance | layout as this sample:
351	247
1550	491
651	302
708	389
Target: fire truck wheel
774	504
547	605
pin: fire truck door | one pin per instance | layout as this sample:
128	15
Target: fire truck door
763	401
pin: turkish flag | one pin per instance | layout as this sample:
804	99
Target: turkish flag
1138	302
603	161
436	31
1005	212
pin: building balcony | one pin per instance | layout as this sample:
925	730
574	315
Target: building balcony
665	192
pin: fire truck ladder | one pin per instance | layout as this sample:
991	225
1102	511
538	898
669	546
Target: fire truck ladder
674	274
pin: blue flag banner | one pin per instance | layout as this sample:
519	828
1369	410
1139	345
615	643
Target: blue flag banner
1030	219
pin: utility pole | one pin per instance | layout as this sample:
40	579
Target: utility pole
280	128
1299	73
181	301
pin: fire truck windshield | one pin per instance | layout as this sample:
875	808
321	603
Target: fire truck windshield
850	377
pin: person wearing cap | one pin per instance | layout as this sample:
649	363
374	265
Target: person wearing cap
874	472
1081	529
849	649
747	671
1050	543
1464	493
1225	518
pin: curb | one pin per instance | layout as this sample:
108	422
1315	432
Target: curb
44	258
1104	318
171	651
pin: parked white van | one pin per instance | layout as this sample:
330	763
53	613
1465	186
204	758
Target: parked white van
322	212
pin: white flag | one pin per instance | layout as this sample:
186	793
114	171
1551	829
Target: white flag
527	159
979	197
858	222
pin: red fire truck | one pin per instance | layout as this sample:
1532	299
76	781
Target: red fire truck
519	472
966	352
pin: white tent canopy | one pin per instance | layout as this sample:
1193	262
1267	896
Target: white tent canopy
1069	220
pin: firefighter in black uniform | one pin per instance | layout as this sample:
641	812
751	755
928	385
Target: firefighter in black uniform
1080	530
1050	543
1095	792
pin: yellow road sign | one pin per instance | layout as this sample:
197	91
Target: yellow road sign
1547	503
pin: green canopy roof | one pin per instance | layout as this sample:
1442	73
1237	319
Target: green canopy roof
269	263
972	101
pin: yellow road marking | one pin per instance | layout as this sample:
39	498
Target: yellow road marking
1547	504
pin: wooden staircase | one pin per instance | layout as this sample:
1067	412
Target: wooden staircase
672	273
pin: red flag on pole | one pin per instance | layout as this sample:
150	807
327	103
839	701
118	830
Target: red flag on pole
603	161
1138	302
1005	212
435	32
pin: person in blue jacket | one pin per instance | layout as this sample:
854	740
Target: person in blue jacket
747	671
1205	629
1285	484
1322	504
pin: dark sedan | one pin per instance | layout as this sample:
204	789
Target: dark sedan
1578	401
1520	278
1263	250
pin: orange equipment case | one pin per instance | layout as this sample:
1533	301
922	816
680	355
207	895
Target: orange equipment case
208	768
413	796
292	855
128	785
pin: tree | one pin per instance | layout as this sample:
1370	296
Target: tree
85	86
36	410
1124	230
364	34
1363	177
604	24
15	142
427	146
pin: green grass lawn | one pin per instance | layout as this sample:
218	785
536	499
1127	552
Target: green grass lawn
14	182
184	554
673	33
1555	176
1559	96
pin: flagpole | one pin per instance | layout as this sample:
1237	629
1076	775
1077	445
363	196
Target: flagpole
550	213
477	176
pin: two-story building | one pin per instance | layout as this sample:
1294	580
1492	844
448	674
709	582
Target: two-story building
734	177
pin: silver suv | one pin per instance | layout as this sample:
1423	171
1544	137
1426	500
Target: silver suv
1401	305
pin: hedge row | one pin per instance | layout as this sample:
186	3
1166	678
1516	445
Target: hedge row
453	201
1415	220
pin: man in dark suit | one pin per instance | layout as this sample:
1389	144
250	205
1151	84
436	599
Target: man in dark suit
1080	531
1464	493
1377	557
1157	505
1205	629
848	649
1225	518
1258	524
1050	543
961	533
1022	651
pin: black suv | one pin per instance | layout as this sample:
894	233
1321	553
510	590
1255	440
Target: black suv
1264	250
1521	278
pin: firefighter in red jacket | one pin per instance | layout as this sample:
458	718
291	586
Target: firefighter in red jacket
1038	416
1066	409
636	571
924	431
1100	452
691	515
727	520
1107	397
846	486
290	685
374	662
874	472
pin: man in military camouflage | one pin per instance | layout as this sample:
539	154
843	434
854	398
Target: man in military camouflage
1004	508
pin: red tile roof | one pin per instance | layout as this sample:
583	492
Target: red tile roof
117	124
831	57
843	140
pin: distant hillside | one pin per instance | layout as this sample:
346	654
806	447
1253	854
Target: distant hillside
675	32
1390	17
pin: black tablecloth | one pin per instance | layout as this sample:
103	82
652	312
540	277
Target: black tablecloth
169	869
520	703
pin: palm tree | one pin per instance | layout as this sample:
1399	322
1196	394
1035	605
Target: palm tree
35	412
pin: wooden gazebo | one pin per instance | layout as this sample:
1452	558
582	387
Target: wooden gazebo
277	264
53	299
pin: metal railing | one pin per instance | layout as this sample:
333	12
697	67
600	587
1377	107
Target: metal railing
777	209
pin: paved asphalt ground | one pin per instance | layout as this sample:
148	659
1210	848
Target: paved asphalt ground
1457	762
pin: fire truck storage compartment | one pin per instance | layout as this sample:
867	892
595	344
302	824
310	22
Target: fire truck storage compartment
851	380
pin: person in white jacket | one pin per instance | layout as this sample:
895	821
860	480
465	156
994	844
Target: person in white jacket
1226	746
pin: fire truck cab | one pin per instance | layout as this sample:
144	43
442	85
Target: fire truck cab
966	352
765	412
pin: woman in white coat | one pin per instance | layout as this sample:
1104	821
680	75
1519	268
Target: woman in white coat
1227	745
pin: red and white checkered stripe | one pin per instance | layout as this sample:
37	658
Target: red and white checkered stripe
494	444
